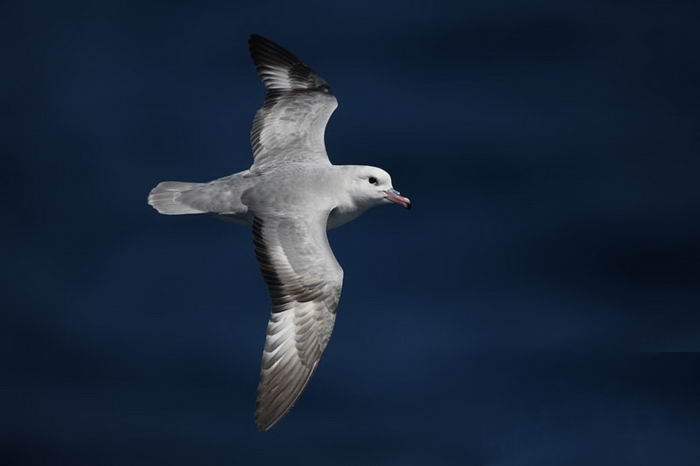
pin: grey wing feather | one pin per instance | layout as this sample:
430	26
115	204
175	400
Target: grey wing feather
290	126
304	281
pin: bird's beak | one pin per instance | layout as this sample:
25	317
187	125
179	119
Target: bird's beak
396	197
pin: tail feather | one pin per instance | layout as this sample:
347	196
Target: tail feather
164	198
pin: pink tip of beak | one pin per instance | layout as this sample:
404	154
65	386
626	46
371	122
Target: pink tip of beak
396	197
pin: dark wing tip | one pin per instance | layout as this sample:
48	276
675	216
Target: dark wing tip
262	427
273	403
264	52
265	417
279	68
273	406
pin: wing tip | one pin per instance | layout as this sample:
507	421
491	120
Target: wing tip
255	40
279	68
266	414
269	412
263	51
265	426
265	419
254	37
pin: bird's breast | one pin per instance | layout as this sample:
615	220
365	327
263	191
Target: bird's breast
342	215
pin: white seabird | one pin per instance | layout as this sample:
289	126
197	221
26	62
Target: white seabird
290	196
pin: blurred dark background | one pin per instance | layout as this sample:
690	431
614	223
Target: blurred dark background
530	309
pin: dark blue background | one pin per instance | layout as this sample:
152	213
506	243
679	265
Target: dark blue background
523	313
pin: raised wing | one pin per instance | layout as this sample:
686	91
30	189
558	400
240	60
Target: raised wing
304	281
290	125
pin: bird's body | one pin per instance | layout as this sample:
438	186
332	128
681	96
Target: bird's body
290	196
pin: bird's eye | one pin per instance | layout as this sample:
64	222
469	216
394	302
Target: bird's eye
372	180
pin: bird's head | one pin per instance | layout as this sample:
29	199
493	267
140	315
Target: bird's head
371	186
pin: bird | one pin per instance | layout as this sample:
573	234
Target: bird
289	197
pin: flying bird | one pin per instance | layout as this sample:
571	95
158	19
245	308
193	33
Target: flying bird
290	196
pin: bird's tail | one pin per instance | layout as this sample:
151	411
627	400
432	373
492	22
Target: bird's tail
164	198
